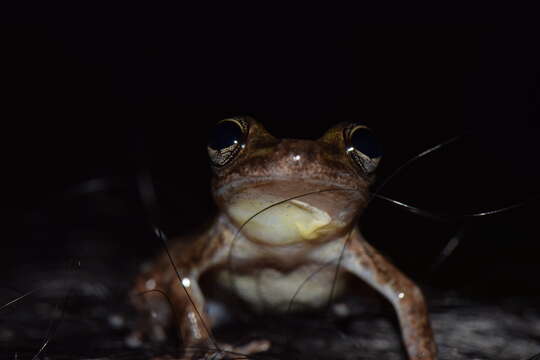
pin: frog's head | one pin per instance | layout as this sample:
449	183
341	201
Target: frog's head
317	188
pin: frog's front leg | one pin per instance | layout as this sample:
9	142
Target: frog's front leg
364	261
165	297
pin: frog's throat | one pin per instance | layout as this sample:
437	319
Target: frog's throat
290	222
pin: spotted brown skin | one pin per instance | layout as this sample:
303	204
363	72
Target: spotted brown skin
287	207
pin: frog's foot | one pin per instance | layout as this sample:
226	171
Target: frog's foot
227	351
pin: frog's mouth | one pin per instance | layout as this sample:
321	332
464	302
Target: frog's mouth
272	215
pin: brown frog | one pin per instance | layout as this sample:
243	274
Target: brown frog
288	213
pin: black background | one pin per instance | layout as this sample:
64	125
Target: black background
112	93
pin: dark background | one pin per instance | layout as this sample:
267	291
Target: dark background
91	99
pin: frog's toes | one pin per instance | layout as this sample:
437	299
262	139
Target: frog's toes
227	351
253	347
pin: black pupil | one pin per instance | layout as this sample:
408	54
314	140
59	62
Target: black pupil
224	134
363	141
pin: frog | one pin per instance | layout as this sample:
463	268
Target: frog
288	213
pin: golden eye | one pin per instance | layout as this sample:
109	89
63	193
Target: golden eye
226	140
362	147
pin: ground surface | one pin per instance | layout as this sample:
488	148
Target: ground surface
95	320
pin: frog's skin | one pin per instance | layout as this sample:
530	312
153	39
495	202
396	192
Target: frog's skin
267	261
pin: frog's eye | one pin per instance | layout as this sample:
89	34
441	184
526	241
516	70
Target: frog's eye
362	147
226	140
